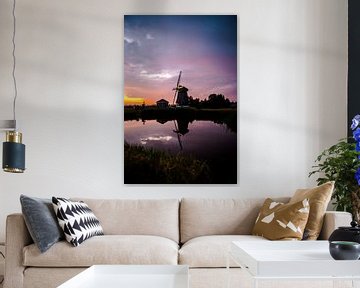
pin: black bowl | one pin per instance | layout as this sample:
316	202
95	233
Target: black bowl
344	250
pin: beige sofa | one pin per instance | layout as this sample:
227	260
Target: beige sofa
194	232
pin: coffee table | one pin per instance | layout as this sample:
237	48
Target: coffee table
292	260
131	276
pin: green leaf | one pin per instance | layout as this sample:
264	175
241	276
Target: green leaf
338	163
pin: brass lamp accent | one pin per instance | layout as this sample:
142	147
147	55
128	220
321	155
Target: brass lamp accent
13	153
14	136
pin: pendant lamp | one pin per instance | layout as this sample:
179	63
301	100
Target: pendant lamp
13	160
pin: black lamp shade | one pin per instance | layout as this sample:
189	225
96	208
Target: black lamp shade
13	157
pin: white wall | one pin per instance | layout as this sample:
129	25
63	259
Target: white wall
292	94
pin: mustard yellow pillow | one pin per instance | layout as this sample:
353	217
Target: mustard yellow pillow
319	198
279	221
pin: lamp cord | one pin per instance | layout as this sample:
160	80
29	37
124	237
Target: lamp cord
14	61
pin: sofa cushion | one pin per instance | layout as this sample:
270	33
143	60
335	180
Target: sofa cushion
77	220
107	249
319	198
158	217
200	217
279	221
35	277
211	251
41	221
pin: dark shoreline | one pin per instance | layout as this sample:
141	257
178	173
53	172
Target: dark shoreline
226	116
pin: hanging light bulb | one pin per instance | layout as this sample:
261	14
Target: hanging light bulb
13	149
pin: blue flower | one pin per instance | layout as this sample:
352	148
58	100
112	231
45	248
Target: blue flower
356	134
357	176
355	122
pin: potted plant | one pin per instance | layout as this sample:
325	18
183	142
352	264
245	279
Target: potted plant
341	163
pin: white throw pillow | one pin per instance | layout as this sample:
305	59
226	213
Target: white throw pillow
76	220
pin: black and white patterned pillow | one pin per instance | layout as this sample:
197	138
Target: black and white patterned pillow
77	220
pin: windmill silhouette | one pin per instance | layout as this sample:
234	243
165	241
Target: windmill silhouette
177	88
181	97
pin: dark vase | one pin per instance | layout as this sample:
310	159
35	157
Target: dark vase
344	250
351	233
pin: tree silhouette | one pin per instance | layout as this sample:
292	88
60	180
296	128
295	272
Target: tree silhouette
214	101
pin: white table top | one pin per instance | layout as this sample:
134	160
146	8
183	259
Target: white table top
131	276
291	259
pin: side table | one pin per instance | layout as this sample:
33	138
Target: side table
293	263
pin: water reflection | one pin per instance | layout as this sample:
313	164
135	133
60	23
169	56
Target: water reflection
181	128
158	138
204	140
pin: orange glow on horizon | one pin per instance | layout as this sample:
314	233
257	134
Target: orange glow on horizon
133	100
138	101
150	94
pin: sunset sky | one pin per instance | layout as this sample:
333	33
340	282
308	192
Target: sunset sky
157	48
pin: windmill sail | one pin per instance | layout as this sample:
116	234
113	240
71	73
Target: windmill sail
178	135
177	88
181	128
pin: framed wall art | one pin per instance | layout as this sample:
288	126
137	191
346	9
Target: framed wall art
180	99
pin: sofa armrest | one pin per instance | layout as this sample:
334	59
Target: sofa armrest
17	237
333	220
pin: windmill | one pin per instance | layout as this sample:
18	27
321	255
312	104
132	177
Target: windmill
181	95
177	88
